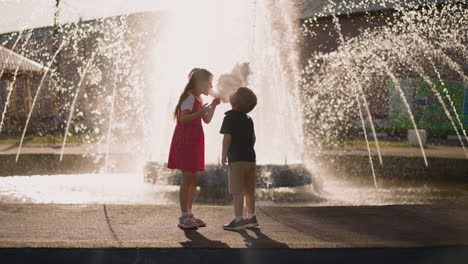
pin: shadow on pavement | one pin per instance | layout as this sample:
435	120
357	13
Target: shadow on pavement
197	240
261	240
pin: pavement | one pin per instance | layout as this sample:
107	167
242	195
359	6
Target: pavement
148	226
109	233
112	233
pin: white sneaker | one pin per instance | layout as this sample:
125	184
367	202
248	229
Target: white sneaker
187	222
199	221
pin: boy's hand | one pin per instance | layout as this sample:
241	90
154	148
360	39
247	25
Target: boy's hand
224	162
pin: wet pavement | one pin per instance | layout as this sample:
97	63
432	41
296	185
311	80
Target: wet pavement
151	226
117	218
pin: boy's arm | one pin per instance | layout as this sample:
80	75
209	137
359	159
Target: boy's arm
226	144
253	130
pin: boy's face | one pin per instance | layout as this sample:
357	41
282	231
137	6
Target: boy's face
233	100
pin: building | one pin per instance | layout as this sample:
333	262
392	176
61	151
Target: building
356	17
134	34
21	76
98	55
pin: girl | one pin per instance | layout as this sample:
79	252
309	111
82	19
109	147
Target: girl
187	151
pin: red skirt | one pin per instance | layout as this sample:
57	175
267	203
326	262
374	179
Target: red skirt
187	147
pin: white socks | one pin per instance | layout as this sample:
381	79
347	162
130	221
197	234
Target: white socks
184	214
249	216
189	212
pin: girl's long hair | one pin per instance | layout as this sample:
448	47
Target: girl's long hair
195	75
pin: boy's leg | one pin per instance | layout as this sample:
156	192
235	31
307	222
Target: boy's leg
249	192
250	204
235	188
249	186
237	223
238	200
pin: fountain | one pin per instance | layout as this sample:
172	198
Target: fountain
384	57
262	33
116	80
126	109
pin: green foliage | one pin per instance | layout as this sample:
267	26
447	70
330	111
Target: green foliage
430	116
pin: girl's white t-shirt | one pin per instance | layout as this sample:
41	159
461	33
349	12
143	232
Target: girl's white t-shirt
187	103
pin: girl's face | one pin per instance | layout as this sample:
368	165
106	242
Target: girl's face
204	87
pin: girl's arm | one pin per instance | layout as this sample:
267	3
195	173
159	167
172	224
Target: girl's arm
226	144
254	139
186	116
207	118
209	115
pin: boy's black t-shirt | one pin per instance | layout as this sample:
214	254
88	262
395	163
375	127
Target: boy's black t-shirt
241	128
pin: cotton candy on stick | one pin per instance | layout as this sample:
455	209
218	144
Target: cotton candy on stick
228	83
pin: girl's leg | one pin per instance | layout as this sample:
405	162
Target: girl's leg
184	191
193	183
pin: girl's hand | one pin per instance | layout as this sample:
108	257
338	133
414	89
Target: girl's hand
215	102
205	109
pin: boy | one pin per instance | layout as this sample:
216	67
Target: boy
238	149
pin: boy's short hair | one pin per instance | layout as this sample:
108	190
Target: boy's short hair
247	100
